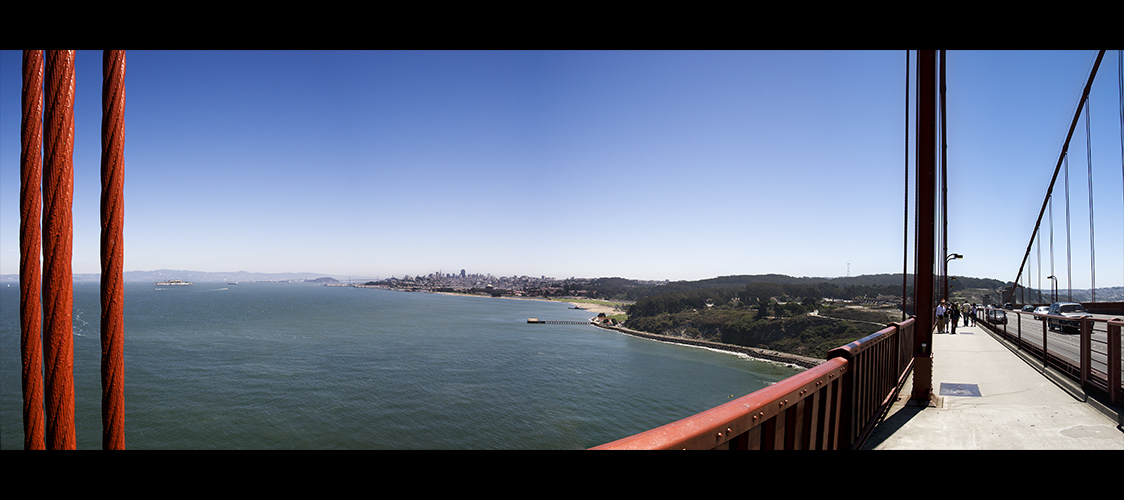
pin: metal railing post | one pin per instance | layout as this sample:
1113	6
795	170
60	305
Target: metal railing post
1085	356
1114	354
1019	324
1045	351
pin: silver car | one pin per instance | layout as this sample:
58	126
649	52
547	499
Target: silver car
1072	313
995	316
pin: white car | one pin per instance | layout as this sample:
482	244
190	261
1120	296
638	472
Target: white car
1040	310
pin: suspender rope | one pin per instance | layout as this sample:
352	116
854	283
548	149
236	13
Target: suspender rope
58	292
1038	249
47	295
905	221
1053	296
112	250
1065	148
31	200
1092	248
1068	245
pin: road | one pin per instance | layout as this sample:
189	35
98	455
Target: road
1063	345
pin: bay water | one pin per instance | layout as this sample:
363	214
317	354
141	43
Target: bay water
306	366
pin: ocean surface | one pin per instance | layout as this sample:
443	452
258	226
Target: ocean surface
303	366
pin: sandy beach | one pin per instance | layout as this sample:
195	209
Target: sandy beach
595	308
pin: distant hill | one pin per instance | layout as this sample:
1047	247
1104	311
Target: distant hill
867	280
871	285
1104	294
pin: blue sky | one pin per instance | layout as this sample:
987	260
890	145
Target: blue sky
644	165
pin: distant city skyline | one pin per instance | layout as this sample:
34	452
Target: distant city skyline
649	165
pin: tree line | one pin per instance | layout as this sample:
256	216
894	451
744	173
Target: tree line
653	298
769	311
787	298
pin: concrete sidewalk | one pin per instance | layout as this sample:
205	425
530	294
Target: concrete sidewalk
986	397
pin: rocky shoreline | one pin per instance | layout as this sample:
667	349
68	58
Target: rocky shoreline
753	352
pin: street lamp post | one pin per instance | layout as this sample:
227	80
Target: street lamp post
1055	280
950	256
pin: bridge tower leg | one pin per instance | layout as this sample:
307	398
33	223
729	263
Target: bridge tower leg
923	285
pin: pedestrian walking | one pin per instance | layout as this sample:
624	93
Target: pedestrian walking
953	316
942	313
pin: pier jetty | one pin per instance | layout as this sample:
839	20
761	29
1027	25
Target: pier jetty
536	320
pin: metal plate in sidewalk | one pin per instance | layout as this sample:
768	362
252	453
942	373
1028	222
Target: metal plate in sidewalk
963	390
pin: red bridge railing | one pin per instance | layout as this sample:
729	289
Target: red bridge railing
832	406
1090	353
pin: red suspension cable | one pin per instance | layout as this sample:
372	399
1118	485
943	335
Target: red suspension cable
31	200
58	292
112	250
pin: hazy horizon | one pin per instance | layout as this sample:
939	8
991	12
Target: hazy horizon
167	273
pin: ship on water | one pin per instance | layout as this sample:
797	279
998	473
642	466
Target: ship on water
173	283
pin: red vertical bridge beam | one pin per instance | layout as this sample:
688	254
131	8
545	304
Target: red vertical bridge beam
112	250
31	200
925	244
58	292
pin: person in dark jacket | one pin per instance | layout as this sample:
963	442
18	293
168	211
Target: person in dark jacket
953	316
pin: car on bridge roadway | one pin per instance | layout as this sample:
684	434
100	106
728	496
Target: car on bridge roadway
995	316
1072	313
1040	310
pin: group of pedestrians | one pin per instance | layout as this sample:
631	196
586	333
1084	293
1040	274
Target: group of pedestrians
950	314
